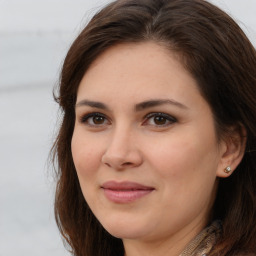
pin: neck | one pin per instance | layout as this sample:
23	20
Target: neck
170	245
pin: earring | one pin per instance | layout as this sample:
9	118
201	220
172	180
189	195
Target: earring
227	169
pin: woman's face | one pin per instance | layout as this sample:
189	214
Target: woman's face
144	144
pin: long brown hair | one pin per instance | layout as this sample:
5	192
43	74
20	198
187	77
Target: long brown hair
219	56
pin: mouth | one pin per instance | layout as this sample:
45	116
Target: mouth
125	192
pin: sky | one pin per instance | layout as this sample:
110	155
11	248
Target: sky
34	38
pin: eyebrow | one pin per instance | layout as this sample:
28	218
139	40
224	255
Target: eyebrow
93	104
158	102
138	107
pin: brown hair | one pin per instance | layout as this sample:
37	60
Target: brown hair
219	56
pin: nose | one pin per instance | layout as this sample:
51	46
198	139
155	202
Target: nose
122	151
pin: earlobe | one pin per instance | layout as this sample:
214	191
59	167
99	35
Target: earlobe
232	152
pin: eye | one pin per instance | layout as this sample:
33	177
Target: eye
159	120
94	119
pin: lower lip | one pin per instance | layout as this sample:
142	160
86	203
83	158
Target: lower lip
127	196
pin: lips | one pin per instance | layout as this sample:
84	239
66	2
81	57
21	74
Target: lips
125	192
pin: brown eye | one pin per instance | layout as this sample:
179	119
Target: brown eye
95	119
98	120
160	120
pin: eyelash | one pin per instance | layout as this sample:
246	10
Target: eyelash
165	117
85	118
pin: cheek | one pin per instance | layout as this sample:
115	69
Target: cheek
85	153
171	156
87	159
184	155
186	167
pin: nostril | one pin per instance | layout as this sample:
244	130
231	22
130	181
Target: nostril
127	163
121	161
121	165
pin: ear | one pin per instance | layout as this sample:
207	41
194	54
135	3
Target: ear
232	149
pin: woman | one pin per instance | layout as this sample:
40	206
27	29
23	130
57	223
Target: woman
156	150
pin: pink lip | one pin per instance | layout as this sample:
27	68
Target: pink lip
125	192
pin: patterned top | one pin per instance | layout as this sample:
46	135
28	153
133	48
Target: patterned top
202	244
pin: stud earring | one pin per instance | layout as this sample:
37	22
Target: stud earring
227	169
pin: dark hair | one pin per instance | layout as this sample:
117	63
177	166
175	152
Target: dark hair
219	56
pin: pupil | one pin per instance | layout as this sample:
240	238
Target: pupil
160	120
98	119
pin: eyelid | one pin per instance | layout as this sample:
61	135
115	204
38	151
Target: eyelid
160	114
168	117
84	118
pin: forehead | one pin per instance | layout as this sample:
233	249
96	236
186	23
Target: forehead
139	71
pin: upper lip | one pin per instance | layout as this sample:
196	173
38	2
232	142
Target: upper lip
125	185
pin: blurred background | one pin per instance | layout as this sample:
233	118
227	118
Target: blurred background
34	38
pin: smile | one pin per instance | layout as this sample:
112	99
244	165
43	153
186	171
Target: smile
125	192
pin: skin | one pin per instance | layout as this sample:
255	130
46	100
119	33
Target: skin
178	154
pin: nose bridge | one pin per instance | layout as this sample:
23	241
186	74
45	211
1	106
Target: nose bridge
121	141
121	149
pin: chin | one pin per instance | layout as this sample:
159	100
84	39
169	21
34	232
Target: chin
125	233
124	229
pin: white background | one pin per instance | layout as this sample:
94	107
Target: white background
34	38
